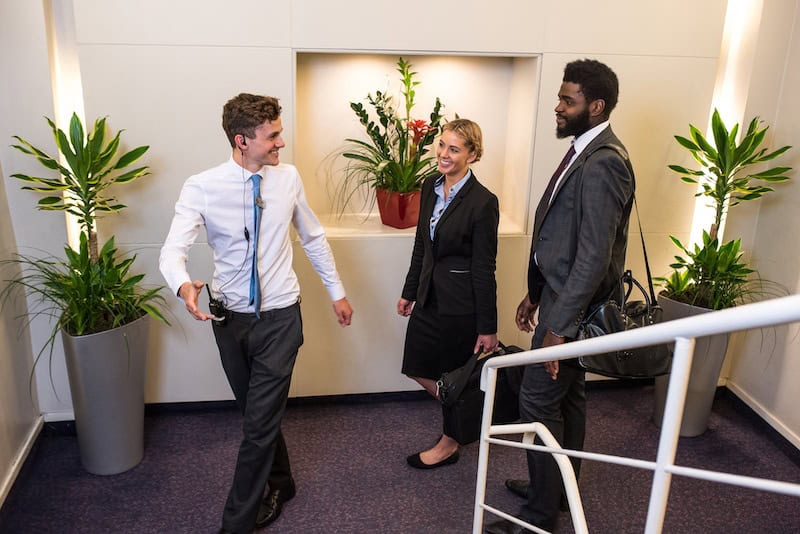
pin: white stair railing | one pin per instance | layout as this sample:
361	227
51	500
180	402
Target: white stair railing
683	332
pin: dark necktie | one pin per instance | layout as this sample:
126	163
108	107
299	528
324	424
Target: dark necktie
255	285
541	209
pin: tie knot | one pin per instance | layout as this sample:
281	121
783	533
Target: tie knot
256	179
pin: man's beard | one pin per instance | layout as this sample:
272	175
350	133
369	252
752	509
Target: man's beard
576	126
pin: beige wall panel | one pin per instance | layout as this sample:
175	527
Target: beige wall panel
24	98
765	368
183	362
183	22
171	98
497	27
367	356
679	28
18	399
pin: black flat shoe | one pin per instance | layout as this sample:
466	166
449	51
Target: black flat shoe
416	462
272	505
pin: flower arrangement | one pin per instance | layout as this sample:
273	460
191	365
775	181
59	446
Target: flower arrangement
394	158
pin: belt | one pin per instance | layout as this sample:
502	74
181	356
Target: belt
265	314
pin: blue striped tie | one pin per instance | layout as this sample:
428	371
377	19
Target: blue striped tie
255	286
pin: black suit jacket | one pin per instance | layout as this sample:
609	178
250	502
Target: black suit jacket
459	264
581	240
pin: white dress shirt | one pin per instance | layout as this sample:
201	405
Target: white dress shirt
579	144
221	199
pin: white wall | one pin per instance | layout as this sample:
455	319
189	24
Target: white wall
21	102
163	70
765	364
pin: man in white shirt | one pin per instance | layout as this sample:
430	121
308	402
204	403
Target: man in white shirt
248	205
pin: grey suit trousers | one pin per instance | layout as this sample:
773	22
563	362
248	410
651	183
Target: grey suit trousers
258	357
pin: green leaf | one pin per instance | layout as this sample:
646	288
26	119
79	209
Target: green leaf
128	158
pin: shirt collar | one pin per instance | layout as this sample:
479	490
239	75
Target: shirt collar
438	185
240	173
583	140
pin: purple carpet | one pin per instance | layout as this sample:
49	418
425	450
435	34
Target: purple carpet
349	464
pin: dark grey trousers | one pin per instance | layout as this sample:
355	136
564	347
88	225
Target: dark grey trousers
258	357
561	406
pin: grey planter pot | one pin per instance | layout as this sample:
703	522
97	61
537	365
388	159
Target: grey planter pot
106	378
709	354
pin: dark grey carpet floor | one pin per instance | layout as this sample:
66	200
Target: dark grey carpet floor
349	464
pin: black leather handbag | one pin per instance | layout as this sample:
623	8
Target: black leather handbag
461	395
618	313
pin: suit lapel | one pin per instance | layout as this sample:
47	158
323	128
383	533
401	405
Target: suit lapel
453	204
604	137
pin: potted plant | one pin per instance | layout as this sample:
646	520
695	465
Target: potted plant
92	298
394	159
712	275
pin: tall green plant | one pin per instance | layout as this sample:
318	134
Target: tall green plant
394	156
92	166
723	172
713	275
92	289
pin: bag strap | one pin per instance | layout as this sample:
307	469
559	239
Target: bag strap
644	251
624	155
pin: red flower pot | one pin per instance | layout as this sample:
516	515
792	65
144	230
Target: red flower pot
398	210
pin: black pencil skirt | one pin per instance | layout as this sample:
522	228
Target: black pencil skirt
437	343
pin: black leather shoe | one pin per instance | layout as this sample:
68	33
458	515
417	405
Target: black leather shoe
416	462
518	487
504	526
272	505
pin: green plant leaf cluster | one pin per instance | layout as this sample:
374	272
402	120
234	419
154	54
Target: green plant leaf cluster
85	296
713	275
92	289
91	167
391	158
723	168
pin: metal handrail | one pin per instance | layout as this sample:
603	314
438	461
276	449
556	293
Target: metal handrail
683	332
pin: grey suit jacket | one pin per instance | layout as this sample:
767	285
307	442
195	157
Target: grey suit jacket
581	240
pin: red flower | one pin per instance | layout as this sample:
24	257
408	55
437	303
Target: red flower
420	128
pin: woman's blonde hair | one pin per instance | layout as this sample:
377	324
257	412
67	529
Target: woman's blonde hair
470	132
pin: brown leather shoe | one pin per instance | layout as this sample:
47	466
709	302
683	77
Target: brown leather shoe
272	505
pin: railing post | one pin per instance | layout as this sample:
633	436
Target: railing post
483	451
670	432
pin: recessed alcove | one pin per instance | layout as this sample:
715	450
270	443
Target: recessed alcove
500	93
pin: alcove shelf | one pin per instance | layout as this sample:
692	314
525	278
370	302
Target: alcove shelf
498	92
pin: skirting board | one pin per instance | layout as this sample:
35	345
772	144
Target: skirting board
19	459
764	414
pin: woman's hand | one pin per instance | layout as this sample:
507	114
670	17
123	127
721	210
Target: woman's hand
404	307
489	343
